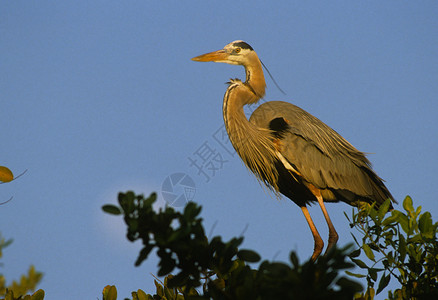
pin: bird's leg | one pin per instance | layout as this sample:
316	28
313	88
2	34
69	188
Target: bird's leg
319	244
333	235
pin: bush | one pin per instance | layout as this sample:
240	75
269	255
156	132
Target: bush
400	245
27	283
216	269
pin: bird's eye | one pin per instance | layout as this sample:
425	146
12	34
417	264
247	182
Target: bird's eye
237	50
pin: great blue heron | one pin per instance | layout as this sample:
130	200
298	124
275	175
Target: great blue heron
291	151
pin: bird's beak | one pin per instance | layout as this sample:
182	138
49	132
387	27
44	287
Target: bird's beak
216	56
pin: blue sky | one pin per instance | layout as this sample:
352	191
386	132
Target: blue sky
100	97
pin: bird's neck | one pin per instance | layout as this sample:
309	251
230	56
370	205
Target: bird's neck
240	94
255	80
252	143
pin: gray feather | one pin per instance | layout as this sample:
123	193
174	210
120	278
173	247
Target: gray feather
322	156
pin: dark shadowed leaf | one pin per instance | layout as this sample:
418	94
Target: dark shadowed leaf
111	209
347	284
248	255
143	254
355	253
294	259
147	203
359	263
383	283
191	210
166	266
355	240
152	197
401	247
345	214
177	280
373	273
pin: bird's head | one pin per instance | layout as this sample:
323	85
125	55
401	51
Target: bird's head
235	53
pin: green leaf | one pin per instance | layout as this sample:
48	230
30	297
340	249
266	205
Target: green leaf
345	214
401	247
111	209
355	240
403	220
390	220
141	295
383	209
383	283
425	225
9	295
408	206
369	293
248	255
359	263
168	293
373	214
110	293
368	252
38	295
417	212
355	274
159	288
4	244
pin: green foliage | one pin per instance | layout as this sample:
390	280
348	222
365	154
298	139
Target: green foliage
401	246
219	268
38	295
27	283
3	244
109	292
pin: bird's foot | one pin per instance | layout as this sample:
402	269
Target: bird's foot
319	245
333	239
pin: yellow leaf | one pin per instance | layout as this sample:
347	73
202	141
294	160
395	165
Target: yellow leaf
109	292
6	174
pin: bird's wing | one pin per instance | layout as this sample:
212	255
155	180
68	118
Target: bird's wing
320	155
